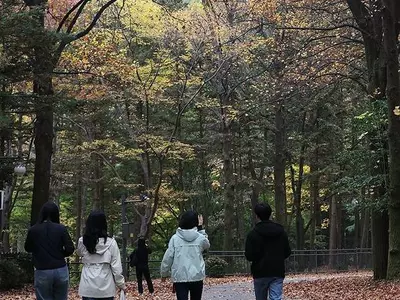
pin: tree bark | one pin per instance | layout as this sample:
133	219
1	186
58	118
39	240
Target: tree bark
78	205
227	175
371	25
380	243
391	18
315	205
365	220
356	240
5	234
98	185
333	232
43	148
280	166
43	88
203	171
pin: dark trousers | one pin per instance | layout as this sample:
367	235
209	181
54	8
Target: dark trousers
140	272
182	290
52	284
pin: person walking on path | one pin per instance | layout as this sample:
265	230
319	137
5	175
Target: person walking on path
183	260
139	258
49	242
102	268
267	247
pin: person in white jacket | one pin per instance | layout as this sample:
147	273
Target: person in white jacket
102	268
183	260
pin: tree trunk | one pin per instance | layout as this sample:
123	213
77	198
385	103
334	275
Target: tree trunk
380	243
256	180
280	167
339	223
5	234
371	24
356	240
78	205
391	17
315	205
227	177
98	186
43	88
203	171
333	232
299	216
365	220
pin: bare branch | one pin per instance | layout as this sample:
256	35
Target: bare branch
77	15
81	34
108	163
180	113
323	28
137	212
66	16
95	20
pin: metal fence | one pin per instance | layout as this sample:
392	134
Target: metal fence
305	261
301	261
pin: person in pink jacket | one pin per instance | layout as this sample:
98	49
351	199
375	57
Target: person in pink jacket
102	268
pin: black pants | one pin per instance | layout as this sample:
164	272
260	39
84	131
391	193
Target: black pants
140	272
182	290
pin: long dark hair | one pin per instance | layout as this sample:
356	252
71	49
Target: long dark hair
49	212
96	227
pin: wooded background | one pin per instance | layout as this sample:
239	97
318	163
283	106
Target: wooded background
205	105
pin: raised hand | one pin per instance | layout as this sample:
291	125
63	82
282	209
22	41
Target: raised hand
200	220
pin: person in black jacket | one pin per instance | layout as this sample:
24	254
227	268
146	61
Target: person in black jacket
142	265
267	247
50	243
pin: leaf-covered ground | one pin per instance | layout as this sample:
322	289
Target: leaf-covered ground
348	286
351	287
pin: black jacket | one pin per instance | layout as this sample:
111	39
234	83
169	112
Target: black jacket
267	247
49	243
142	254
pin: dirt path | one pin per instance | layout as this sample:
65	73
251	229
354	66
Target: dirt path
229	291
244	290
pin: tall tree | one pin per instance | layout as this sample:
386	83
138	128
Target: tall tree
379	26
47	51
391	30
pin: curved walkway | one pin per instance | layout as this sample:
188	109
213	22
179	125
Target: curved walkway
244	290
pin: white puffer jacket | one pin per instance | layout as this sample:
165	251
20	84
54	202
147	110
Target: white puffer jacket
102	271
183	260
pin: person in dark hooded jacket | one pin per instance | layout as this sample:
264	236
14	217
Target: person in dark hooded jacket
267	247
49	243
142	265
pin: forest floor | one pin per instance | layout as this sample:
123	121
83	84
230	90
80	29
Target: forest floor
343	286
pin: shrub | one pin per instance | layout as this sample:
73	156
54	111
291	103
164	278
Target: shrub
10	275
215	266
16	269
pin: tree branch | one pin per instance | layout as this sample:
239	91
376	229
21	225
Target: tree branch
66	16
77	15
94	21
360	13
81	34
324	28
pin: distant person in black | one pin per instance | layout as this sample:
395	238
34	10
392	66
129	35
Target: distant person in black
50	243
267	247
140	259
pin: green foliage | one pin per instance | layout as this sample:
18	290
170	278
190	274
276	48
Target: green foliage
154	86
